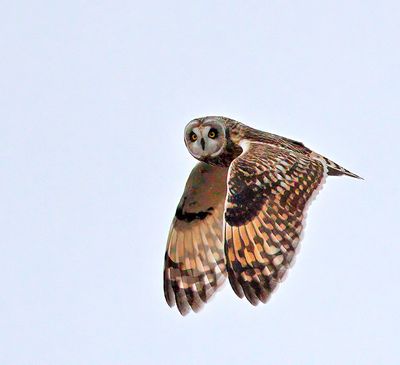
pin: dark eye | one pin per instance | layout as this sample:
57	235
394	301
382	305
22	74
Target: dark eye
213	133
193	136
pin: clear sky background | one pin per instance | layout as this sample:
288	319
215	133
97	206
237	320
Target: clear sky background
94	97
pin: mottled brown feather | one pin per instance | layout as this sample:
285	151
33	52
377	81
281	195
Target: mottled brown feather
269	189
194	265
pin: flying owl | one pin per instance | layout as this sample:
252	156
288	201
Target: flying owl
242	212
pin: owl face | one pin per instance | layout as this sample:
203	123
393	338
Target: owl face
205	138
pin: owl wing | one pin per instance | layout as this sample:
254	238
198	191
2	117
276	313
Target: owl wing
194	266
269	189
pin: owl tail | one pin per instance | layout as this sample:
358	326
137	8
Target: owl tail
336	170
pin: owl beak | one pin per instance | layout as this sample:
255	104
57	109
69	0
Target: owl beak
203	144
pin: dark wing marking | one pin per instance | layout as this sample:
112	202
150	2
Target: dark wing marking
269	189
194	265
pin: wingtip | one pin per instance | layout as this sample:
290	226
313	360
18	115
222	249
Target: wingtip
355	176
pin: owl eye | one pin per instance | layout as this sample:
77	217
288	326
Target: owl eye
213	133
193	136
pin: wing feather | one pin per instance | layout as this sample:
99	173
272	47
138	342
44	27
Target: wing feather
195	266
269	188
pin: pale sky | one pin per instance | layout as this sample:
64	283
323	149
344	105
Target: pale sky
93	101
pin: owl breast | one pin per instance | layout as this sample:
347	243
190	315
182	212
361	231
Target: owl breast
227	155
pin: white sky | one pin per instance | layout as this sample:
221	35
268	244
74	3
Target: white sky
93	101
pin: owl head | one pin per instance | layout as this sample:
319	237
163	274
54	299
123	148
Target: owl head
205	138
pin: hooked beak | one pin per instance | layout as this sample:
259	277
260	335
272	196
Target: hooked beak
203	144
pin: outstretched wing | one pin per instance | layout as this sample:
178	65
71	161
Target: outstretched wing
194	265
269	188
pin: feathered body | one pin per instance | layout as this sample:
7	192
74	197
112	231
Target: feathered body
242	211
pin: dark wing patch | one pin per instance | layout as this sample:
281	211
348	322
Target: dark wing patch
181	215
194	266
268	191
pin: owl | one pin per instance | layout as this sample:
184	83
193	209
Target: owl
242	212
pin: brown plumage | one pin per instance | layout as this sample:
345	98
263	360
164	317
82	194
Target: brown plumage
242	212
